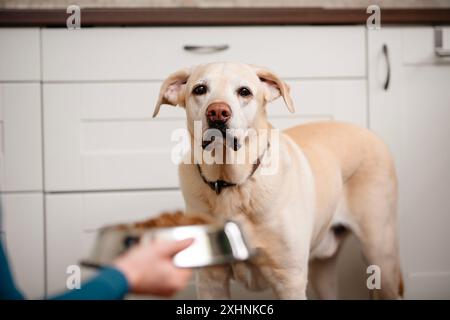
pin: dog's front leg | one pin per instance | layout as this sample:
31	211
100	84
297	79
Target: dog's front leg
292	284
287	277
213	283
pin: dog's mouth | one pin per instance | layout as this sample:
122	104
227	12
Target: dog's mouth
228	138
230	141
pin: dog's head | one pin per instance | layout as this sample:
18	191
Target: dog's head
229	97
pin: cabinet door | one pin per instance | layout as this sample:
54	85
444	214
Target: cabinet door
20	137
23	229
72	221
412	117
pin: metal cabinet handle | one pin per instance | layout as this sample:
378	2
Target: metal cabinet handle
206	49
388	63
438	43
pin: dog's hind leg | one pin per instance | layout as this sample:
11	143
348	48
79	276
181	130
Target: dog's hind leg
323	266
381	250
372	200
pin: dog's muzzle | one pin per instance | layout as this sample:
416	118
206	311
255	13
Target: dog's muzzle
218	115
226	136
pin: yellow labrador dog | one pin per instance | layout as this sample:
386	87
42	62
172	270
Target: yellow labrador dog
330	178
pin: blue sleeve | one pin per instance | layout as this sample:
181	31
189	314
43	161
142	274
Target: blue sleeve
8	290
108	284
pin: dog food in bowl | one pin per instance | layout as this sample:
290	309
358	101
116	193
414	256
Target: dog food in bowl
213	243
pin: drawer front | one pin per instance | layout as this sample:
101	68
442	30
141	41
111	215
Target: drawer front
20	137
19	54
73	219
343	100
153	53
23	229
100	136
94	142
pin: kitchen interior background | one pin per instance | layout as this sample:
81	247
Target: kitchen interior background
77	137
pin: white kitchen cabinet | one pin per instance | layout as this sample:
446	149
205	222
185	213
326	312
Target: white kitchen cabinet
412	116
72	221
23	235
105	159
20	57
153	53
20	137
98	130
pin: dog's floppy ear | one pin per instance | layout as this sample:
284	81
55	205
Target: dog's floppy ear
172	90
274	87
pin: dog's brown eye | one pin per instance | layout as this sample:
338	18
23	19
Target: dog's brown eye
244	92
199	90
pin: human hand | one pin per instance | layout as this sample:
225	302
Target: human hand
149	268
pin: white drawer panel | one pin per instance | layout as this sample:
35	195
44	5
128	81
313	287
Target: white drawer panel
128	100
124	100
23	228
338	99
89	147
20	137
153	53
72	221
19	54
100	136
285	123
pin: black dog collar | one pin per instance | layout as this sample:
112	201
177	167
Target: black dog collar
218	185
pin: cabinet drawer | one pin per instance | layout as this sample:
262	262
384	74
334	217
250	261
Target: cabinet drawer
94	145
19	54
73	219
20	137
337	99
153	53
23	228
100	136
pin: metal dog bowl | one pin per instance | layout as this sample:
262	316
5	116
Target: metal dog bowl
213	244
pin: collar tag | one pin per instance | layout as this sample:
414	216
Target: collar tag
217	187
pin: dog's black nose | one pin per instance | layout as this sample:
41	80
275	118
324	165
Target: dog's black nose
218	113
